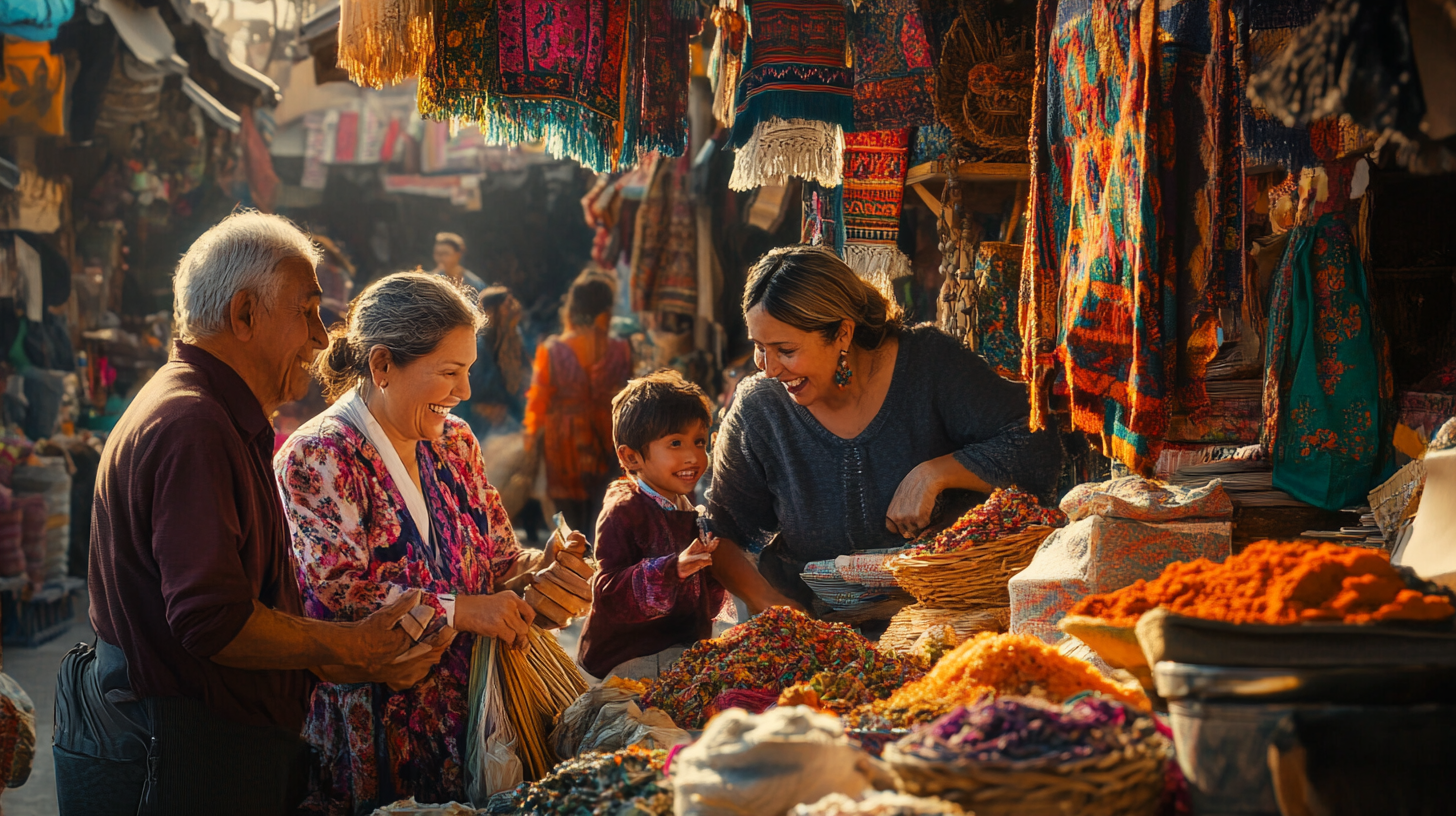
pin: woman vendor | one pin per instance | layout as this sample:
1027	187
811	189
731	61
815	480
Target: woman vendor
386	492
859	433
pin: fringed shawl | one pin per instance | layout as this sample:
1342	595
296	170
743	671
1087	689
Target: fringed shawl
875	164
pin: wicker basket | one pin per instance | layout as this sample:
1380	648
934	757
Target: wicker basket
913	621
972	579
1123	783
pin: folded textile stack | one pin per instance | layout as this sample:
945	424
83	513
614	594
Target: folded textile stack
850	581
1248	482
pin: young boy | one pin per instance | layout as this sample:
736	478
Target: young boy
653	594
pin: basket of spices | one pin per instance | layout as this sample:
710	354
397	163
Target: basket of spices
1025	757
967	566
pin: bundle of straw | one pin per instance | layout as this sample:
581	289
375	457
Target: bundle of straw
538	683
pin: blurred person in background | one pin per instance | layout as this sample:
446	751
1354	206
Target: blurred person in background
502	372
449	252
569	407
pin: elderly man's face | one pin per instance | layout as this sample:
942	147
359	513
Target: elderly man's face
290	332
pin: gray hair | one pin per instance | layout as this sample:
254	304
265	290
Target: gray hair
408	313
239	254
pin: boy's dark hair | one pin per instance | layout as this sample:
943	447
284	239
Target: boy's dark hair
655	406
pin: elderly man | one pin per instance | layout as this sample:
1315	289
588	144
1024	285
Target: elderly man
193	698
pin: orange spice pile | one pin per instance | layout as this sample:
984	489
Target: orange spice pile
991	665
1276	583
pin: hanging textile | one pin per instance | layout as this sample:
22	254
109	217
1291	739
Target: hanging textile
527	70
1354	58
1324	380
33	90
894	79
384	42
875	164
823	216
933	143
1201	157
1268	141
780	148
795	97
993	327
1095	306
726	63
659	72
664	250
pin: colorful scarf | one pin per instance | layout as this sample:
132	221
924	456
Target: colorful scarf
384	42
894	80
874	188
527	70
659	70
1095	306
664	251
795	97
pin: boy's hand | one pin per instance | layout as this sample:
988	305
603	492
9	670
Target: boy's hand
697	557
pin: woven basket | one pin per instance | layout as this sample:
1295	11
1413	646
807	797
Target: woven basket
913	621
972	579
1123	783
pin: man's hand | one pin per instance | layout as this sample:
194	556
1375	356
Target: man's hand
697	557
375	641
502	615
398	676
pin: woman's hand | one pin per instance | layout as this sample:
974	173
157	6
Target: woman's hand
398	676
697	557
914	501
503	615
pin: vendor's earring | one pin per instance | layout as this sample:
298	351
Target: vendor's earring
842	372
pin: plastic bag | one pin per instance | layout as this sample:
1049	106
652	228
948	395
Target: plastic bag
764	764
608	718
492	765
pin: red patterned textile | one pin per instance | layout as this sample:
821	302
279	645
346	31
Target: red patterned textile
894	77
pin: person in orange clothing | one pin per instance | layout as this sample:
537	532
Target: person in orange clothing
569	406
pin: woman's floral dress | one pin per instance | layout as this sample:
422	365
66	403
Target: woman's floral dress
357	548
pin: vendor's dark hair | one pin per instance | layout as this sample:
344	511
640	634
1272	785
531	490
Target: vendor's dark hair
655	406
811	289
408	313
590	296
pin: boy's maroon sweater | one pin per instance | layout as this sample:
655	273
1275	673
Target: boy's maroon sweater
639	604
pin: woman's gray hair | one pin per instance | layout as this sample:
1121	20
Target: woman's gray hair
239	254
408	313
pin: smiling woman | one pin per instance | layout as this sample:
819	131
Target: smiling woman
858	433
386	492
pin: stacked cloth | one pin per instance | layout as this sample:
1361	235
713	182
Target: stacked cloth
1123	530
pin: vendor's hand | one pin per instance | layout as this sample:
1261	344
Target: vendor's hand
398	676
697	557
374	642
575	544
503	615
914	502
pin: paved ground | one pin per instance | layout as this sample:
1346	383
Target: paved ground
35	671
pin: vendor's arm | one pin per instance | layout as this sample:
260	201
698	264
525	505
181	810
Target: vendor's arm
742	507
986	416
211	605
